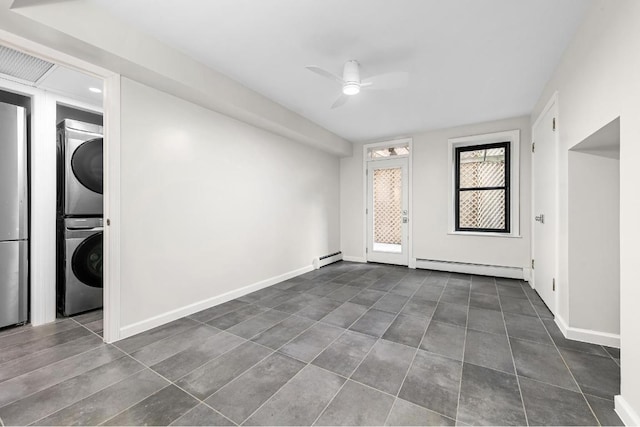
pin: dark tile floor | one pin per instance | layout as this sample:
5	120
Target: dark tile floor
350	344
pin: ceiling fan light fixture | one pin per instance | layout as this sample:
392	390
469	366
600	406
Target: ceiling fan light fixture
351	88
351	83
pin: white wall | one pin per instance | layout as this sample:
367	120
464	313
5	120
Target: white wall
594	242
597	81
210	205
430	202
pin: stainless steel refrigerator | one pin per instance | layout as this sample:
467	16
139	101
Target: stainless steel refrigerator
14	216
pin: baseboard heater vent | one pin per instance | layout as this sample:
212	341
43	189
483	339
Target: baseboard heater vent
327	259
467	268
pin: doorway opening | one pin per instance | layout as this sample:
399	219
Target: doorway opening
594	233
387	176
59	89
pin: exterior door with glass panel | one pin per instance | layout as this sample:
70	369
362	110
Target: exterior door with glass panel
388	211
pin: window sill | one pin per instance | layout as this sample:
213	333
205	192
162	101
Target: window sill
479	233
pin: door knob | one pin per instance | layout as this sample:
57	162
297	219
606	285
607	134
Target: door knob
540	218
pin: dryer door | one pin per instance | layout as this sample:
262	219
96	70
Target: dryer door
83	174
86	261
86	164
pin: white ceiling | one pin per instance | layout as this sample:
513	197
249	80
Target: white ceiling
72	84
469	60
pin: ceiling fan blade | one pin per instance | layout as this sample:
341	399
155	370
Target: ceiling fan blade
394	80
342	99
324	73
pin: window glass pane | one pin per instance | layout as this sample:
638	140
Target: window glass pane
482	209
482	168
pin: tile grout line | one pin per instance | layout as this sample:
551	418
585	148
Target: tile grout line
273	308
464	347
205	363
513	360
173	334
97	391
209	319
368	352
417	347
343	384
610	355
93	332
386	292
21	329
66	379
199	366
276	392
125	353
373	388
171	383
307	363
257	363
193	409
565	363
43	349
278	351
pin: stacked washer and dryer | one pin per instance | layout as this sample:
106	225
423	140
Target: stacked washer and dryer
79	215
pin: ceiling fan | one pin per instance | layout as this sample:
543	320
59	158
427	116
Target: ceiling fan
351	83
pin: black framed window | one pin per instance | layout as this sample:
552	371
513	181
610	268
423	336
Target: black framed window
482	188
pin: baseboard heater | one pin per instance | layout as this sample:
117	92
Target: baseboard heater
467	268
327	259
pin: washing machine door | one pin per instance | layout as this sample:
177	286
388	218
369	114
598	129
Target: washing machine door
86	164
86	261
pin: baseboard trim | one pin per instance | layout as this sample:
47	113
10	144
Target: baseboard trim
626	413
170	316
353	258
526	275
466	268
320	262
587	335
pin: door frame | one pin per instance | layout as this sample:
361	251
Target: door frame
42	279
365	202
553	102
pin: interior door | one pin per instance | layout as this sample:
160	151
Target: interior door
545	206
388	211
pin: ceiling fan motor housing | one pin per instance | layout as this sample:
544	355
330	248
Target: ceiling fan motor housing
351	77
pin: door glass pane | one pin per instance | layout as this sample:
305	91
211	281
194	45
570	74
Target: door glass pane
387	210
483	209
377	153
482	168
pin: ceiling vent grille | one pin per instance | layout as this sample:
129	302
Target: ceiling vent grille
20	66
